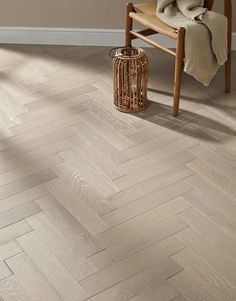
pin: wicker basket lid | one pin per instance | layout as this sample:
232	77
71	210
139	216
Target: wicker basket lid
129	53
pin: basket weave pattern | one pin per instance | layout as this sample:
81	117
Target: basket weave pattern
130	79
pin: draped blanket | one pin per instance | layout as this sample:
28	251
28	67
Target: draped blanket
206	35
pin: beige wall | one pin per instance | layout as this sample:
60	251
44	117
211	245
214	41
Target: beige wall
69	13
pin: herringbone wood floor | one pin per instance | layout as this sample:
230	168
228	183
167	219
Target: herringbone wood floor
103	206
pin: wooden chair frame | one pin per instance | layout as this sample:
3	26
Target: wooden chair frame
179	37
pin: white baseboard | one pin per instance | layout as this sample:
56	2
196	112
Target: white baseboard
72	36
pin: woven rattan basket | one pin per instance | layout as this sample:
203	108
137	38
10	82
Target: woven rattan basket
130	79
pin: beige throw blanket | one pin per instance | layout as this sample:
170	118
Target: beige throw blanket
206	35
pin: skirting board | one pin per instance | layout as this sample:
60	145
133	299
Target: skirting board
72	36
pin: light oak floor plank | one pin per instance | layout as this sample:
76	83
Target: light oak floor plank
162	291
13	231
26	183
142	221
61	246
106	131
210	231
216	213
86	215
146	132
86	148
9	249
68	225
52	268
137	242
225	166
136	284
150	145
39	132
132	265
29	157
209	253
29	169
214	176
150	185
146	203
153	170
51	110
11	290
33	145
99	143
22	197
160	154
213	194
98	205
181	298
31	279
101	106
4	271
83	88
186	285
204	275
91	174
83	190
18	213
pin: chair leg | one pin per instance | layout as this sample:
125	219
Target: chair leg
179	64
228	64
129	25
228	75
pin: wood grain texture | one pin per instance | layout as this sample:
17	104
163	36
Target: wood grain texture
141	222
52	268
69	225
17	214
12	290
35	147
91	174
96	205
146	203
79	209
210	231
214	176
4	271
162	291
153	170
30	278
24	158
186	285
159	154
138	242
22	197
13	231
61	246
209	253
204	275
9	250
25	183
132	265
133	285
210	208
150	185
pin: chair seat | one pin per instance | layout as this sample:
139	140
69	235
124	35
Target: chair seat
145	13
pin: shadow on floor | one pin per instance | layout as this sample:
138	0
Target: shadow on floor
188	123
212	100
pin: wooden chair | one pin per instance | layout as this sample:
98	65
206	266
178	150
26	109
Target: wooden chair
145	13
